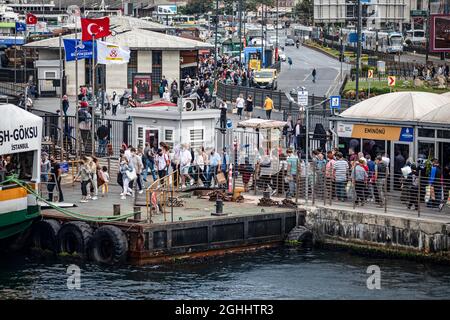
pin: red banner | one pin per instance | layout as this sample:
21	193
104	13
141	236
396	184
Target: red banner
97	28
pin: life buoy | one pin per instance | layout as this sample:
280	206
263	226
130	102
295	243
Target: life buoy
44	235
109	245
74	237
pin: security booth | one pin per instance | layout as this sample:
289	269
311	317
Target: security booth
401	125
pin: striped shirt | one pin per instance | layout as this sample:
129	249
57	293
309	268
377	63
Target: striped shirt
340	170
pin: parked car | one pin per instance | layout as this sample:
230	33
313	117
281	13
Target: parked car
289	42
266	79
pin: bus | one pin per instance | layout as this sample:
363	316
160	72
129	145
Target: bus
415	37
302	32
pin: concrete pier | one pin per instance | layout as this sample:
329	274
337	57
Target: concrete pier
386	233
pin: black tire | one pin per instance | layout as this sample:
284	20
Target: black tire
74	237
109	245
44	235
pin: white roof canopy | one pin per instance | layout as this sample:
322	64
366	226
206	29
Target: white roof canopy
397	106
438	115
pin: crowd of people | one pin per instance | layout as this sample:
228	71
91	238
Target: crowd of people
429	72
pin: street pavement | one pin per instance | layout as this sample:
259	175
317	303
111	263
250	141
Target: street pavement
304	60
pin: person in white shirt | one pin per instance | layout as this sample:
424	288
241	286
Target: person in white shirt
166	95
240	105
161	161
200	161
136	164
185	162
127	153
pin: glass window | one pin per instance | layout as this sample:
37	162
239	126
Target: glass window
426	133
443	134
425	150
373	147
132	67
346	143
168	135
156	69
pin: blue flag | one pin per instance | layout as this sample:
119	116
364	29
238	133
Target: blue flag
20	27
83	48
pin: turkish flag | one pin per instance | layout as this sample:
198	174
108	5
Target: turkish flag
98	28
31	19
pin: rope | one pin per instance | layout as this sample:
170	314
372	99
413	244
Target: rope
13	178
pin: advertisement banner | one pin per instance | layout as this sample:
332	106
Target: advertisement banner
142	86
167	9
440	33
375	132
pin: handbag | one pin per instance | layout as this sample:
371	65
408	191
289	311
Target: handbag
131	175
100	178
221	178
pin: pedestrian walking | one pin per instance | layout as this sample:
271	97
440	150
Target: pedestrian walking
268	106
105	177
55	180
314	73
340	172
115	101
84	174
65	105
290	62
125	171
240	105
249	107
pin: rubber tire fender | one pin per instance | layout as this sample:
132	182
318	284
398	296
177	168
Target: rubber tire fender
109	245
74	237
45	235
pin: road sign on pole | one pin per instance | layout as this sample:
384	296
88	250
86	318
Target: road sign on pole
335	102
391	81
302	98
370	74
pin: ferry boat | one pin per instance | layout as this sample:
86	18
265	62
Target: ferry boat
20	148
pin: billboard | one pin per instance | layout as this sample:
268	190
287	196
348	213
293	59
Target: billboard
167	9
440	33
142	86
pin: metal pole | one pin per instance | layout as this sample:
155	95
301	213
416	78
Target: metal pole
180	108
428	32
240	33
276	34
342	52
77	127
262	35
61	120
216	30
307	156
358	50
93	98
15	55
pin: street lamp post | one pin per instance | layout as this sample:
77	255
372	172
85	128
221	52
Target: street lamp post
276	34
216	30
240	33
358	50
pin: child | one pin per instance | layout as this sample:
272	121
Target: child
105	176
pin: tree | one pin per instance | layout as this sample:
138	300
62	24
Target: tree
197	7
303	11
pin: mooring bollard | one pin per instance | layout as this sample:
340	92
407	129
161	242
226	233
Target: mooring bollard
137	213
116	209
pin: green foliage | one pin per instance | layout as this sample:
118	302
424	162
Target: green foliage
197	7
303	11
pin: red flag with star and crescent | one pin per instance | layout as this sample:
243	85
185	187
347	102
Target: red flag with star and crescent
98	28
31	19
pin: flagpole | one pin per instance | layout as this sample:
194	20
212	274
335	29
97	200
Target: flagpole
15	55
77	126
61	126
93	96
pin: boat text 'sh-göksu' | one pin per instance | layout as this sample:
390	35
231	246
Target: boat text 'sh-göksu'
20	146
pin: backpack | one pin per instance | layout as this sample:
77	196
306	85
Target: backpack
121	100
381	168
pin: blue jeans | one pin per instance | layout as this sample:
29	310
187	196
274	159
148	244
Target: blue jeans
102	147
340	190
149	164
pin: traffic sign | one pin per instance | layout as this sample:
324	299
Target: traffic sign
302	98
391	81
335	102
370	73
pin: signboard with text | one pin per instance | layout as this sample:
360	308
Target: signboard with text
440	33
302	98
